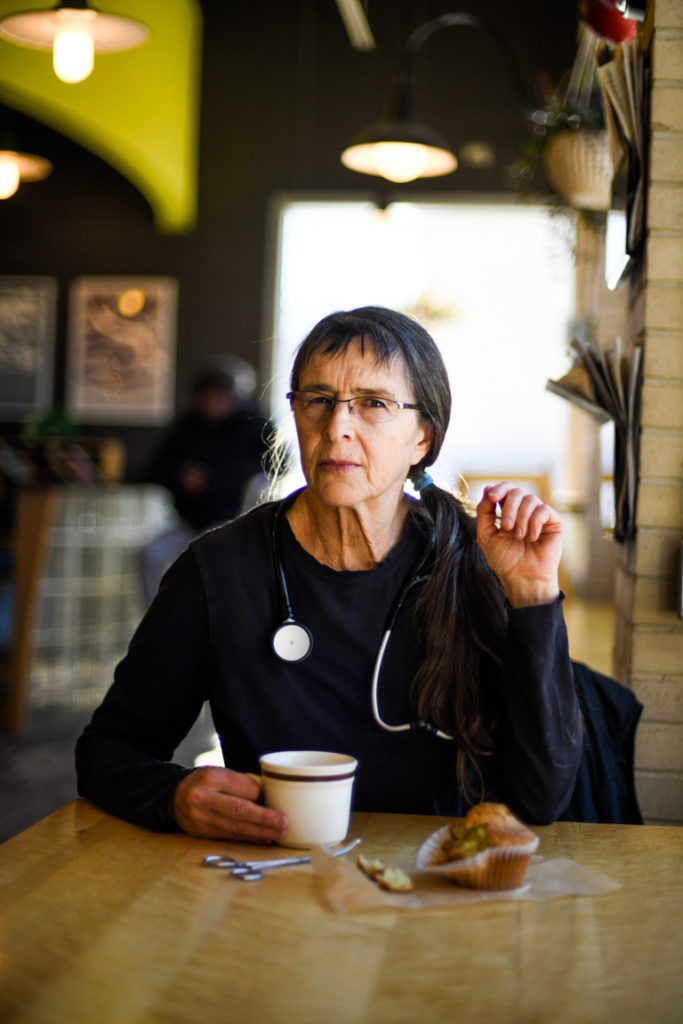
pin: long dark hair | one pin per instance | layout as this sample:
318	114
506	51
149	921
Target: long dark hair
461	611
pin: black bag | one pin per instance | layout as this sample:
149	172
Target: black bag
605	785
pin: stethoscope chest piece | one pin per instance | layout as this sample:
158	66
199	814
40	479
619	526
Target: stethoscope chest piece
292	641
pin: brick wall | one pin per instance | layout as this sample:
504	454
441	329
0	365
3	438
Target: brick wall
649	634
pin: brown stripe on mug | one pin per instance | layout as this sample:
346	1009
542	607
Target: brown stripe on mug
270	774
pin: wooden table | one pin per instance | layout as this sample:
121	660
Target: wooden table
105	923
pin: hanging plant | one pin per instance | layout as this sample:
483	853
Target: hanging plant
568	154
579	165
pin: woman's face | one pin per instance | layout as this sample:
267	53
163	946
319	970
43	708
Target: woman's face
348	462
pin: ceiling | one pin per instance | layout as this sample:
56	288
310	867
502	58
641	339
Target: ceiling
282	92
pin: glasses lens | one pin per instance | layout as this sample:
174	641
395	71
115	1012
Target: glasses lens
310	404
375	410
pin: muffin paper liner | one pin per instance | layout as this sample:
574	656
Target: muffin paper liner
498	867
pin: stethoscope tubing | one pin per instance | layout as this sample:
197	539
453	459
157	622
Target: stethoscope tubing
293	642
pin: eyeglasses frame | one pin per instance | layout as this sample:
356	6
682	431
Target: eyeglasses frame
337	401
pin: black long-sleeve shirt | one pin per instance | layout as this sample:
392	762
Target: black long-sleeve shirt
207	636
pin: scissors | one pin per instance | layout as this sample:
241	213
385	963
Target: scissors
252	870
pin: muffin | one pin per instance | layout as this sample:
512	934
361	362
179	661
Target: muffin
487	849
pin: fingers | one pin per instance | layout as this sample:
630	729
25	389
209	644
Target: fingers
217	803
522	514
487	515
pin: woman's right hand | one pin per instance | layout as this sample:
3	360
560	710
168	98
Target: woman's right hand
217	803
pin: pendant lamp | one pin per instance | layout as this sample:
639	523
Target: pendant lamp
74	32
399	148
17	167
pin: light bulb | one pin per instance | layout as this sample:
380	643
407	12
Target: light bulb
395	161
9	175
73	50
399	161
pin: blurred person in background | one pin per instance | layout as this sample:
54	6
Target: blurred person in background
210	460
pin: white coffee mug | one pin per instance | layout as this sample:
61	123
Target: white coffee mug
313	788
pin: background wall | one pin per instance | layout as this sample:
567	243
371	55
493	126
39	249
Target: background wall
282	93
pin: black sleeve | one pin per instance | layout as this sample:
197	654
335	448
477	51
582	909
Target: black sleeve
123	757
538	740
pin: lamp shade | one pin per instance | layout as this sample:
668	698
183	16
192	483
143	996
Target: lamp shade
399	151
37	29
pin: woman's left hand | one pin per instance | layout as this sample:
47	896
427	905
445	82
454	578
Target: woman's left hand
524	547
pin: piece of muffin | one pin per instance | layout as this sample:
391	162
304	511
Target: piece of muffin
393	879
487	849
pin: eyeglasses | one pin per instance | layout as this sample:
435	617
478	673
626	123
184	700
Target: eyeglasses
315	407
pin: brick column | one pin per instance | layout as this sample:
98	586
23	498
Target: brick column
649	633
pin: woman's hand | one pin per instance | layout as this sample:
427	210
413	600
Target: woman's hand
524	547
216	803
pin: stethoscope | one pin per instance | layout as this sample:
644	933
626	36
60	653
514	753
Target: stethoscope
293	641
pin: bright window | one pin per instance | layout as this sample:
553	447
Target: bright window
493	283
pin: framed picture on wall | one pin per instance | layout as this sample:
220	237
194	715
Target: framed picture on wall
27	339
121	350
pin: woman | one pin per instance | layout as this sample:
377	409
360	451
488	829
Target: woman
280	620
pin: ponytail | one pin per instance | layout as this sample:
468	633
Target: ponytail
462	616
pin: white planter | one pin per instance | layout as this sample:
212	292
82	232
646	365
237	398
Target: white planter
579	165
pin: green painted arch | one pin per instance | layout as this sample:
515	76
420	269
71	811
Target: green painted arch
138	110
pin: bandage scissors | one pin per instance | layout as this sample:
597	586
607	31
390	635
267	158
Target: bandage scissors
252	870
